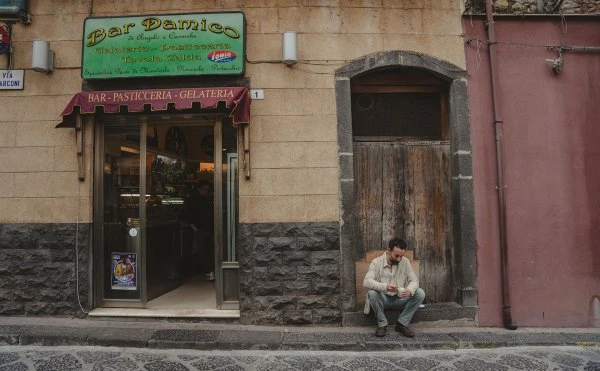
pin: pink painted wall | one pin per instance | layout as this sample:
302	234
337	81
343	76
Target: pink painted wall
552	169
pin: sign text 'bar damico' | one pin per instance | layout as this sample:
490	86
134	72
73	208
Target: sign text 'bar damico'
236	98
164	45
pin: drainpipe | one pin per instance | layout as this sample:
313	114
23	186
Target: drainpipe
499	171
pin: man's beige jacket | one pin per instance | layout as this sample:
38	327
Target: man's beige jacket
403	276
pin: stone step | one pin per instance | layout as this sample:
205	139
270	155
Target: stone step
431	312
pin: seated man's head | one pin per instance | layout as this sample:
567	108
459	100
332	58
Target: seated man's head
396	250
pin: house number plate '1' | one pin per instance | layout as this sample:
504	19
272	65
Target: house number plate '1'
257	94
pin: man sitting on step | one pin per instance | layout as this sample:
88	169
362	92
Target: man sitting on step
393	284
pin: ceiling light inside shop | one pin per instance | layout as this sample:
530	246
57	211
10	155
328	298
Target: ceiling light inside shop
129	150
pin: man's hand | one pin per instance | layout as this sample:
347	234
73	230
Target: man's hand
391	288
405	294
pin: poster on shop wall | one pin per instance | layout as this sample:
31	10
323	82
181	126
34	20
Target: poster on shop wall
123	271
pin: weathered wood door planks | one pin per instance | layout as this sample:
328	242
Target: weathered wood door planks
403	189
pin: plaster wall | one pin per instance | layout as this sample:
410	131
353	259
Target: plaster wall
551	172
293	131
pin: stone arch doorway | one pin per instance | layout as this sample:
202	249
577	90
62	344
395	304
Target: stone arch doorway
462	287
401	152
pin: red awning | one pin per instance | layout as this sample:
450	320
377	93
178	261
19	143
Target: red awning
236	98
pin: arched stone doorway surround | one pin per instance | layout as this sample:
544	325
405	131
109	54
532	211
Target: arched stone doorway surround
461	169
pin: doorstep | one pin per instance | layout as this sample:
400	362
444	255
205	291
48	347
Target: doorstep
165	313
432	312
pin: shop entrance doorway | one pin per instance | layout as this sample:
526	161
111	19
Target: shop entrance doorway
165	214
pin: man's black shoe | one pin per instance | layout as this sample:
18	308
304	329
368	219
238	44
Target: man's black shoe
380	332
404	330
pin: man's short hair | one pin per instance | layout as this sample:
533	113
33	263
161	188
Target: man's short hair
397	242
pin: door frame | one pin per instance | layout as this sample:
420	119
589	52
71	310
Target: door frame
98	270
464	283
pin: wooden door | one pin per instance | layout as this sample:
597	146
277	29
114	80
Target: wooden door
403	189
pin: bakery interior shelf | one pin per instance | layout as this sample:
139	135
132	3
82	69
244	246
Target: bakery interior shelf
157	151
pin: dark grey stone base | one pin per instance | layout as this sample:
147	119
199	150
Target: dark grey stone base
37	268
289	273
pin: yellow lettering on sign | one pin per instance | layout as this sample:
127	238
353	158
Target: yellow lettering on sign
186	24
127	26
215	28
114	31
151	23
96	36
169	25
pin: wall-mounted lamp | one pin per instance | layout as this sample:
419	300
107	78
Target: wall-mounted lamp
42	58
289	52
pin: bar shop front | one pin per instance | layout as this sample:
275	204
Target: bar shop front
166	105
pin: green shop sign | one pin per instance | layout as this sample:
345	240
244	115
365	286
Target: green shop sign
164	45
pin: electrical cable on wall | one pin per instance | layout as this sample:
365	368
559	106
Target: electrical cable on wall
571	48
77	258
557	63
310	62
304	62
433	61
77	239
478	55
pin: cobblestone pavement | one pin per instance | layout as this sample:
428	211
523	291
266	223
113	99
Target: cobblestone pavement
65	358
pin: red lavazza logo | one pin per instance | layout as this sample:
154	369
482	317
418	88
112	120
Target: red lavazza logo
221	56
4	38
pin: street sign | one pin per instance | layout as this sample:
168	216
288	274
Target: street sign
164	45
11	79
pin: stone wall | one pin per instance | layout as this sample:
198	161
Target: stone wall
290	273
37	269
580	7
535	7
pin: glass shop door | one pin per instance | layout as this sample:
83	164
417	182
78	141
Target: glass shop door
120	210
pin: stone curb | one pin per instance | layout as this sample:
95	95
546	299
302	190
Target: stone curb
232	339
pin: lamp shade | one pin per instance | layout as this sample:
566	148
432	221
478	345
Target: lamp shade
289	51
42	58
